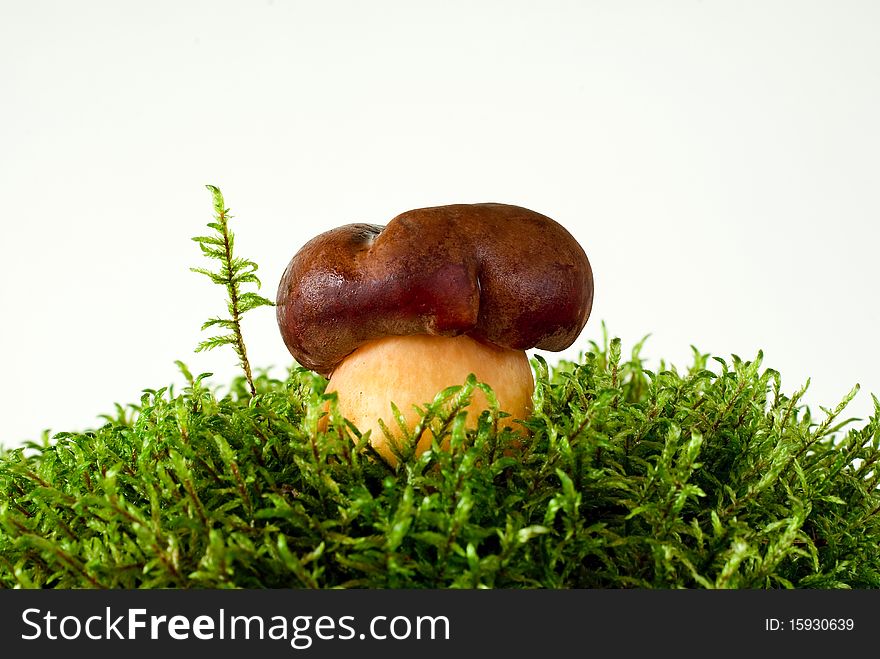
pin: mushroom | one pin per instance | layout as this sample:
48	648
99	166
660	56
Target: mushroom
397	313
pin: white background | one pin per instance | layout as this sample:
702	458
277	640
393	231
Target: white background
718	161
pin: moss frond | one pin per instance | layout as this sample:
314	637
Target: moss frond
231	273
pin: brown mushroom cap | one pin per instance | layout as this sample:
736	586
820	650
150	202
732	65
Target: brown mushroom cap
502	274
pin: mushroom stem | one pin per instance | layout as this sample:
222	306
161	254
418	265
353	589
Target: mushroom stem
411	370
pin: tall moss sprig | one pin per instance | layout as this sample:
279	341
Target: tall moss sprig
232	273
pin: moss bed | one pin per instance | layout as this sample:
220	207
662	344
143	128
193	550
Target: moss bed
704	477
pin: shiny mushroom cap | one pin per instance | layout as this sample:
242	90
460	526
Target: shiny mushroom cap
502	274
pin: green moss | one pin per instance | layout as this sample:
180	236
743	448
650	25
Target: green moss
630	478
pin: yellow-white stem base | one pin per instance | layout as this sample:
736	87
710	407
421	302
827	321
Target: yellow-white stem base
411	370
